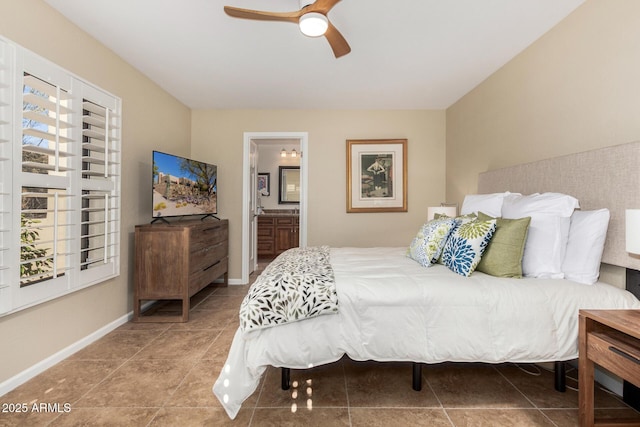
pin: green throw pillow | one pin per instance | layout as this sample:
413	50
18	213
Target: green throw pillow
503	256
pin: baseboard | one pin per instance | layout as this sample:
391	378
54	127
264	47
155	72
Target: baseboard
43	365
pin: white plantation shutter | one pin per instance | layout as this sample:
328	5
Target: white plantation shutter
45	209
100	222
60	212
46	141
7	271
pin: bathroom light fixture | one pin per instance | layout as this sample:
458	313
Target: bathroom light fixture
293	154
313	24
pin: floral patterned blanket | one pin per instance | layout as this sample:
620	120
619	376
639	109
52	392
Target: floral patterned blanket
298	284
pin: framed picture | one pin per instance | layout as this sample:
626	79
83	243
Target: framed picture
264	182
376	175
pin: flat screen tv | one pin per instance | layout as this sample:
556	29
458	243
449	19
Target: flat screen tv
183	186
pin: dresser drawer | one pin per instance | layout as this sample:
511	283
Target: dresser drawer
207	256
207	235
266	247
201	278
268	220
287	220
616	352
266	232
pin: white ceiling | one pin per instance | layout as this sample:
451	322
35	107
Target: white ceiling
419	54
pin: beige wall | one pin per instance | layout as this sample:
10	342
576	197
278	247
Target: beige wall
576	88
217	136
151	120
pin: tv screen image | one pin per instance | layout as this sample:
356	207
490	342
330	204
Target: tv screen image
183	186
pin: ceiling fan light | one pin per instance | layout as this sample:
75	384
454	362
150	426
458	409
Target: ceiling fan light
313	24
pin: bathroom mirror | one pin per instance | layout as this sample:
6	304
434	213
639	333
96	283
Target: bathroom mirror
289	185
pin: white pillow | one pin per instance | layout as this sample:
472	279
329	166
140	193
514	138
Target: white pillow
587	235
490	204
548	233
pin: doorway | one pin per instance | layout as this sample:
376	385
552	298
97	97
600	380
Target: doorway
253	141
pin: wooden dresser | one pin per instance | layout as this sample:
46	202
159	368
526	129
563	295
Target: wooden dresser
277	233
174	261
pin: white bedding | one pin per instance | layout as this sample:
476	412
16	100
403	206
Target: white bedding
393	309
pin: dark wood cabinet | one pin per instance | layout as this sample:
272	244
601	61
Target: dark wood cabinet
266	236
286	233
175	261
277	233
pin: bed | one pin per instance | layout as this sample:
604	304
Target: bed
382	305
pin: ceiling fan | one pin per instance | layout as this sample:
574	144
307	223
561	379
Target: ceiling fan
312	19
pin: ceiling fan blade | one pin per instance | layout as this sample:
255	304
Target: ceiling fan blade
322	6
263	16
337	42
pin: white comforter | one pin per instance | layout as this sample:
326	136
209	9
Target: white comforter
392	309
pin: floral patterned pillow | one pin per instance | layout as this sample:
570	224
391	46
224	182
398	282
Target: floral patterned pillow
428	243
461	219
464	248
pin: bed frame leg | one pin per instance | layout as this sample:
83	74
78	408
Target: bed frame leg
560	377
417	376
286	378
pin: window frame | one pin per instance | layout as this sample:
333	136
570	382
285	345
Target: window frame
15	62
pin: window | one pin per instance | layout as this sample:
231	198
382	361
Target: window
60	181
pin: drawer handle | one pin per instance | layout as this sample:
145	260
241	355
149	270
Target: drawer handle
625	355
212	265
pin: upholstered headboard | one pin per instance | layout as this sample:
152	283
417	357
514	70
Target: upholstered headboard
603	178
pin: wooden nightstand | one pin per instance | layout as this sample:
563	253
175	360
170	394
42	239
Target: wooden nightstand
610	339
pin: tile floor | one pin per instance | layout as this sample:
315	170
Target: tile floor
155	374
